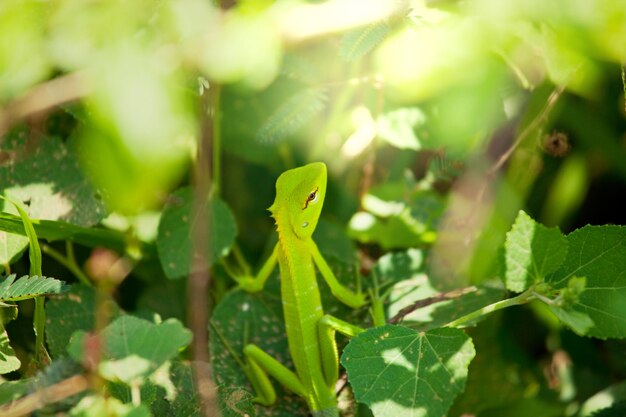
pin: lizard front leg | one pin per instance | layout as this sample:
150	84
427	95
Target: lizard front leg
327	327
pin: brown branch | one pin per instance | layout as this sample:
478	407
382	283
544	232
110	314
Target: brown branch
44	97
536	122
200	278
449	295
52	394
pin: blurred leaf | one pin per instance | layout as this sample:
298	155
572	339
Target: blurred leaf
332	241
597	253
242	318
97	406
398	219
73	311
28	287
51	181
12	390
358	42
616	410
8	360
22	46
133	348
532	252
54	373
292	115
174	241
239	48
53	191
394	267
398	127
610	396
133	159
432	367
11	247
567	192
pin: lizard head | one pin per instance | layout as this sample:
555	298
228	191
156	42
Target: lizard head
299	199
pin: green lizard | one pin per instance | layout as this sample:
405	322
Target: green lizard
300	195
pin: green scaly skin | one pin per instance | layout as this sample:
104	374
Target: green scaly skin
299	199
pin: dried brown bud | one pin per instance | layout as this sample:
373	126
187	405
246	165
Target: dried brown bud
556	144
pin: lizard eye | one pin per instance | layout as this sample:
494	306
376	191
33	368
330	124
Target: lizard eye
311	198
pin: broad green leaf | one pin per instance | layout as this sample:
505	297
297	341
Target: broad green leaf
72	311
8	360
532	251
28	287
133	348
598	254
398	127
359	42
292	115
97	406
242	318
50	179
175	240
397	371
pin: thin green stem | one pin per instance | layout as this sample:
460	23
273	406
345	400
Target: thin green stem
241	260
523	298
217	138
68	262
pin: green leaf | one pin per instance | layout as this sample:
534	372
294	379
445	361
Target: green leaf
398	127
72	311
616	410
532	251
397	217
394	267
50	179
34	252
8	360
12	390
608	397
133	348
175	242
28	287
294	113
242	318
597	253
12	246
58	230
397	371
358	42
